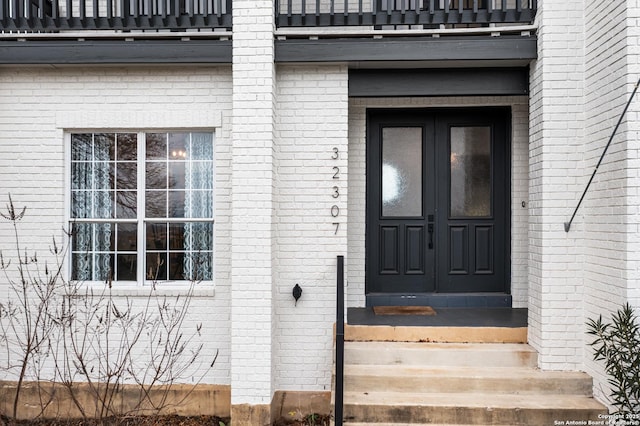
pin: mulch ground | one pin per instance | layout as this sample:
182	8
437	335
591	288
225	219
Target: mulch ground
317	420
124	421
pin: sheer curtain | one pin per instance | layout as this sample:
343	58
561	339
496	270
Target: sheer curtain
198	236
92	181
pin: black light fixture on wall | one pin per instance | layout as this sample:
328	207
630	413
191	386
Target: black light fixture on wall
297	293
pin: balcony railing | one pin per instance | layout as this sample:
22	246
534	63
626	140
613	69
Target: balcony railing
124	15
423	13
180	15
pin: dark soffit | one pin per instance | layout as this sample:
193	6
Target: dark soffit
439	82
70	52
473	48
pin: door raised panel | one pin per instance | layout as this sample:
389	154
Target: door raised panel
459	247
415	250
484	250
389	250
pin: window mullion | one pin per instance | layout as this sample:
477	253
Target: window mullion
140	187
67	202
179	220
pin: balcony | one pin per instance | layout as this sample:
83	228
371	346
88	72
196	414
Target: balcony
414	14
208	15
122	15
200	32
414	33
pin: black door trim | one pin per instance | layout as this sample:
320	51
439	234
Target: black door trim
500	119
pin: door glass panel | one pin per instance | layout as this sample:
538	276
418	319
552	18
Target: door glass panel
402	171
470	159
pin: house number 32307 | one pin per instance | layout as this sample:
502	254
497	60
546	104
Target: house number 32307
335	191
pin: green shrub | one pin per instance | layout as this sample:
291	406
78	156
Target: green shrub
618	344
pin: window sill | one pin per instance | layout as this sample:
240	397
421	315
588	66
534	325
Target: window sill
166	290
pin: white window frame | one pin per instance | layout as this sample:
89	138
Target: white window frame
141	220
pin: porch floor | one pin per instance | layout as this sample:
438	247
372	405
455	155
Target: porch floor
445	317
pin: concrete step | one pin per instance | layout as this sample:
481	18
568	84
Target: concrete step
499	380
414	383
441	354
383	333
409	424
467	408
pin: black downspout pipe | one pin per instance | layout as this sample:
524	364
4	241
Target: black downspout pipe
338	414
567	225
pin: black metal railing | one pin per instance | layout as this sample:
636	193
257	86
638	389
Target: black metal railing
339	392
567	225
125	15
429	13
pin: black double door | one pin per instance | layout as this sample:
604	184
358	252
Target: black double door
437	201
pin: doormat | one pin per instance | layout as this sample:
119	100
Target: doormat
403	310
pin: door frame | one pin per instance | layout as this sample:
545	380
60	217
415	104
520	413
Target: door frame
494	298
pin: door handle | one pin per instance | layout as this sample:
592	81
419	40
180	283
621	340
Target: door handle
430	230
430	219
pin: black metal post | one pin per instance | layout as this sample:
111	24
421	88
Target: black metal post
339	344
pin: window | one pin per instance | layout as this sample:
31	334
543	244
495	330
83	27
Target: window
141	206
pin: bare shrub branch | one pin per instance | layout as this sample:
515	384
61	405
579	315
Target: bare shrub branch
95	342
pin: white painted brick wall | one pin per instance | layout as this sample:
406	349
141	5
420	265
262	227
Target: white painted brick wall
311	119
576	98
357	185
253	243
273	176
610	212
38	105
555	170
633	155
